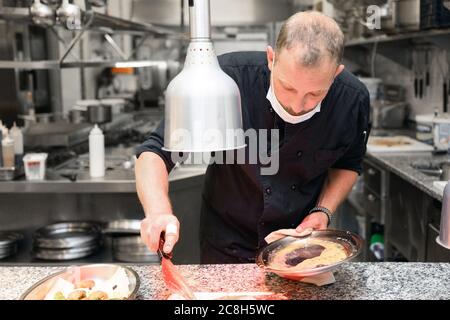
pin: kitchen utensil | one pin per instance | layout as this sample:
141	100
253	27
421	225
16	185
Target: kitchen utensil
64	254
172	277
351	243
103	272
132	249
9	243
66	235
77	115
407	14
99	114
123	227
42	14
69	15
7	174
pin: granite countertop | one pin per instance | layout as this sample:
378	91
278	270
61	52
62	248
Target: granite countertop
400	164
354	280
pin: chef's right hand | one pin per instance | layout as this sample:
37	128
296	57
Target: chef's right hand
153	225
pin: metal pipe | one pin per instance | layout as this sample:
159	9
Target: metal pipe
199	19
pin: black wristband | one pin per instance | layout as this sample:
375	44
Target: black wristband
323	210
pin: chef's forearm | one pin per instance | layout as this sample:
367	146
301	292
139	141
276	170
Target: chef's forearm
152	184
337	186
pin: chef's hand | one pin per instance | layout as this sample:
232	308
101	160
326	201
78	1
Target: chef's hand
153	225
316	220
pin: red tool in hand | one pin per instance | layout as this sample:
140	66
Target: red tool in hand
171	276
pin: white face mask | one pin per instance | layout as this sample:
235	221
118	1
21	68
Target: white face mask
286	116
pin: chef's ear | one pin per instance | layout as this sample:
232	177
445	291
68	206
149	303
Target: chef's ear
270	57
339	69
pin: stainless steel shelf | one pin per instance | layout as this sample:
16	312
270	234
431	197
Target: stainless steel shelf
397	47
55	64
398	37
101	22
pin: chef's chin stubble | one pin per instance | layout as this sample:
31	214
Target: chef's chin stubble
256	150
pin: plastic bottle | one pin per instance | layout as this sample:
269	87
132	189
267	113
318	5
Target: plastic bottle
96	153
8	151
17	136
377	241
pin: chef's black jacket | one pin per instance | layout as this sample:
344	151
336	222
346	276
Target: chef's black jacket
239	205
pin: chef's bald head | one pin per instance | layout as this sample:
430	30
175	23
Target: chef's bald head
315	35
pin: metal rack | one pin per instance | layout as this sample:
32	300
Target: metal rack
397	47
94	22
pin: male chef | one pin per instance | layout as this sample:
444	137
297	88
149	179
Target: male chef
321	112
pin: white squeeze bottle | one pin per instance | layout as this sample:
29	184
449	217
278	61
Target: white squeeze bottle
96	153
17	136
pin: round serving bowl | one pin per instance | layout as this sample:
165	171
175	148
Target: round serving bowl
103	272
351	242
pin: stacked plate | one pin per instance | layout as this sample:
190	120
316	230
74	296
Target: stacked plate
67	240
9	242
127	244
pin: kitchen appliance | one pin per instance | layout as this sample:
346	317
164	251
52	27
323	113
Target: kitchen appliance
407	14
441	132
203	107
388	115
9	243
66	240
350	242
444	231
39	290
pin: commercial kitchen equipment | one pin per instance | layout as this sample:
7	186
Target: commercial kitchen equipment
66	240
444	232
203	106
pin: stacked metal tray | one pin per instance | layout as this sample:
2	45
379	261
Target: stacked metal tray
67	240
9	243
127	245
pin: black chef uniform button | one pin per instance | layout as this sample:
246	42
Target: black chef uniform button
293	187
299	154
268	190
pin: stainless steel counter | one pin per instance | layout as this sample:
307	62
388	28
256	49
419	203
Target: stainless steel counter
116	181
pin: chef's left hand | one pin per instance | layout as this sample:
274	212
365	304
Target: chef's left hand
316	220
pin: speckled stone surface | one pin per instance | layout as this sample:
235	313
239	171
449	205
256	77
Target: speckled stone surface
400	164
380	281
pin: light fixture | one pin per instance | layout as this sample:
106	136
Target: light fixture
203	104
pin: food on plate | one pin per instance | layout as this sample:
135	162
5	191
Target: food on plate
307	255
98	295
77	295
74	287
59	296
88	284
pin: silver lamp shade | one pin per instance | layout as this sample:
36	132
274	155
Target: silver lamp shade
203	104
